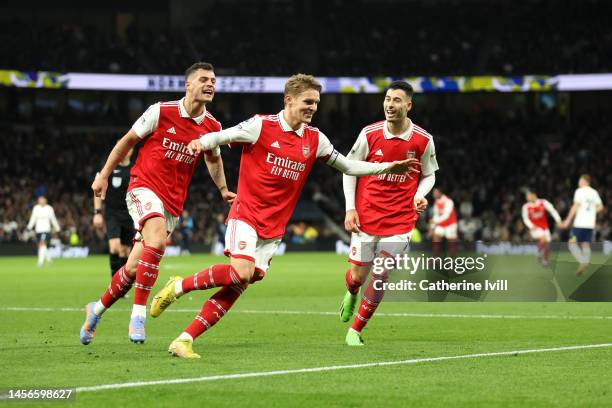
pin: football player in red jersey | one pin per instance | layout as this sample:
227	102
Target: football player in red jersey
278	152
381	211
159	182
534	217
444	223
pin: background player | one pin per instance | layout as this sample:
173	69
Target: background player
534	217
158	188
384	213
583	212
42	221
119	225
444	223
278	152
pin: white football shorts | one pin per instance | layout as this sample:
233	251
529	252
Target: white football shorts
241	241
365	247
540	233
143	204
448	232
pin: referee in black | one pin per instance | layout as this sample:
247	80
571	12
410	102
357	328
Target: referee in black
119	225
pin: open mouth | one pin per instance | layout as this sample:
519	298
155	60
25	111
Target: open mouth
209	93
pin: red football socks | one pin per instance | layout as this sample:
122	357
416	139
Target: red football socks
146	274
351	285
119	286
212	277
369	302
214	309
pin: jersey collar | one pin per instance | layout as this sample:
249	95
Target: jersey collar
285	126
404	136
185	114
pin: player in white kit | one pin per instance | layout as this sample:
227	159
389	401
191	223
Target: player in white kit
587	204
42	221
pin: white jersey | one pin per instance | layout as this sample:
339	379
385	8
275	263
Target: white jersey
42	219
588	200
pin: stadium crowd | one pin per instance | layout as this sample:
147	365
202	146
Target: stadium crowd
367	39
485	157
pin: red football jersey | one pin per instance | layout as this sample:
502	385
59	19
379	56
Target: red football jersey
536	212
273	171
385	202
442	206
164	165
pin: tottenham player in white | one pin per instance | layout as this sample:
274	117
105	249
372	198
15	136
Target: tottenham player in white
42	220
587	204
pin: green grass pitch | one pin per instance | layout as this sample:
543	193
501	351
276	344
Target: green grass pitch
40	348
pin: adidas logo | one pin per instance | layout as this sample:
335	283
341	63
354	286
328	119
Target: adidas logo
171	130
378	153
275	144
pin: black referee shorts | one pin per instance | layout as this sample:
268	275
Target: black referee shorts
119	224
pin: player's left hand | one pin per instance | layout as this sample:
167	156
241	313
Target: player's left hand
408	167
351	221
420	204
228	196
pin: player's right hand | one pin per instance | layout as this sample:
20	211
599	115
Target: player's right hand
99	186
420	204
408	167
351	221
194	147
98	221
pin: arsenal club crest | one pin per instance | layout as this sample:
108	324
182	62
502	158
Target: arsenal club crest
242	245
305	150
411	154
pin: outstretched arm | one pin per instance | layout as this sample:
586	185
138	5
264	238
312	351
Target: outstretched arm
116	156
246	132
551	209
571	215
143	127
349	184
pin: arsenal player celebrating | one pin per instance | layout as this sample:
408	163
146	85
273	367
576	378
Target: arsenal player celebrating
382	213
534	217
158	187
278	152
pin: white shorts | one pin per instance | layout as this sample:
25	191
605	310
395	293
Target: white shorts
143	204
364	247
241	241
540	233
448	232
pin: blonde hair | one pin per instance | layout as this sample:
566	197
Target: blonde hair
299	83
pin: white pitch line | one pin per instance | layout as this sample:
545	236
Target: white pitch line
329	368
307	312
